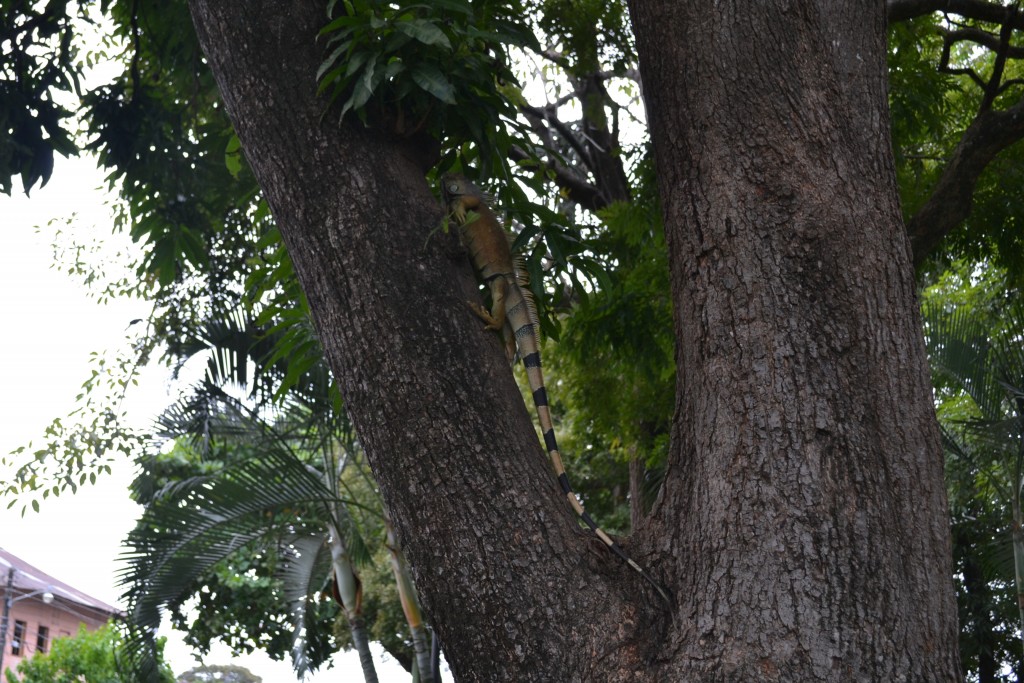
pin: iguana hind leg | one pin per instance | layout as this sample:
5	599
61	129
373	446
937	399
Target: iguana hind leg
495	318
485	315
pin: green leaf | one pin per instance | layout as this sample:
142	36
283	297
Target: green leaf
340	23
459	6
362	92
332	59
430	79
357	61
393	68
524	237
425	32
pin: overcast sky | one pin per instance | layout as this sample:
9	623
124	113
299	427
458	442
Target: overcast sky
50	326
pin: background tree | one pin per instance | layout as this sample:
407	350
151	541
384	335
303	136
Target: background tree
88	655
219	674
958	155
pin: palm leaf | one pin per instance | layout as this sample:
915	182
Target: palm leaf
959	349
190	526
304	572
193	525
204	416
1009	354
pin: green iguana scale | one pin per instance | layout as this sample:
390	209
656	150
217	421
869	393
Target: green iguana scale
514	315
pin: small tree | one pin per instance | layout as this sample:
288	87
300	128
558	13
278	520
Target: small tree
90	655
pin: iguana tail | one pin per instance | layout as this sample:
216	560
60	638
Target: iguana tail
522	318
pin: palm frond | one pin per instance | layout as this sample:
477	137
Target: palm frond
191	526
203	416
304	572
231	340
1009	349
959	349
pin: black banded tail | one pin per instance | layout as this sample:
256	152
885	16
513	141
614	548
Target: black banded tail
524	327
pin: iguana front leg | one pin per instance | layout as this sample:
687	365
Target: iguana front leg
462	206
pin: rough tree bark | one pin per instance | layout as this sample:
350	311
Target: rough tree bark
804	516
803	526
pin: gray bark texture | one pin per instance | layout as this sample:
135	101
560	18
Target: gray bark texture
804	517
803	527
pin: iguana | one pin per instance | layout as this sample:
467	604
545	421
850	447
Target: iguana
514	314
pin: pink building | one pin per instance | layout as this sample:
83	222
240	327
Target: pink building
37	608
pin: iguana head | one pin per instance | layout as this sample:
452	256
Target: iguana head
454	185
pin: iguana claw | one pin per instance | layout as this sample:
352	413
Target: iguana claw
485	315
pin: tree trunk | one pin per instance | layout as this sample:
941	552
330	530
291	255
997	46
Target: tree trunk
411	608
803	526
347	584
804	518
516	590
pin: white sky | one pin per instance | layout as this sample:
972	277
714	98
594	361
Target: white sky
49	328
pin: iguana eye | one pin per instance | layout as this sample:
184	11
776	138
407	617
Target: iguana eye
453	187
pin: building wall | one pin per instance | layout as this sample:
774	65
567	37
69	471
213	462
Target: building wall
59	619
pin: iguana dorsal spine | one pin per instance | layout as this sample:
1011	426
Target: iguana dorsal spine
513	313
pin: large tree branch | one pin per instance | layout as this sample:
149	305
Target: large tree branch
990	132
574	182
950	201
999	44
902	10
741	126
547	115
576	187
595	146
983	38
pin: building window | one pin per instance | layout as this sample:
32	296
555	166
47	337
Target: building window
19	635
42	638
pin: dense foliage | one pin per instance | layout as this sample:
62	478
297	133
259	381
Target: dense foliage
974	324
